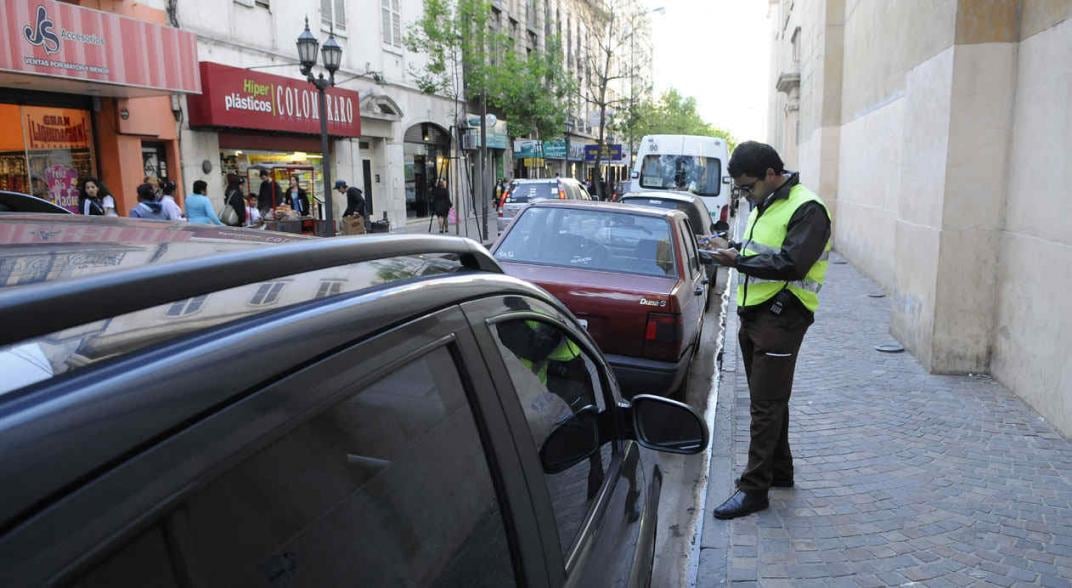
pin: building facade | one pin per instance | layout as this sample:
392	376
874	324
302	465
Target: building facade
88	89
389	139
943	156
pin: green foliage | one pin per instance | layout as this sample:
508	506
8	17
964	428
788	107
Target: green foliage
452	35
466	60
531	91
671	114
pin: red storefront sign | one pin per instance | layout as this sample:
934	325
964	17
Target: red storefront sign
49	38
240	98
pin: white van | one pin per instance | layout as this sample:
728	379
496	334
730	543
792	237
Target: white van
690	163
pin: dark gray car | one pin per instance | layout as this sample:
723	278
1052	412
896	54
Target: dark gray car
201	407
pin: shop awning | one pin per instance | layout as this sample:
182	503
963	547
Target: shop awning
54	46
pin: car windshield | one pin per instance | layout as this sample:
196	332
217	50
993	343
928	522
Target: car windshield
699	175
690	210
591	239
532	191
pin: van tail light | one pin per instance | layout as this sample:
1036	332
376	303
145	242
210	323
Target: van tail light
724	216
561	194
662	336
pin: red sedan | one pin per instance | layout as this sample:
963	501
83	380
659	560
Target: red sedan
632	275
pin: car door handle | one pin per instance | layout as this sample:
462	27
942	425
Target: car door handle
698	291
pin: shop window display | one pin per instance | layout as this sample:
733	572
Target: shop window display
51	150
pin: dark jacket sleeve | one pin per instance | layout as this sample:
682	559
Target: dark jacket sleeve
805	239
234	198
305	202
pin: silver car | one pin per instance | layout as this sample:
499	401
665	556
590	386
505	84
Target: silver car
521	193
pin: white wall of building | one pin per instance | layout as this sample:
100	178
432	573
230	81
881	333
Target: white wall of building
952	174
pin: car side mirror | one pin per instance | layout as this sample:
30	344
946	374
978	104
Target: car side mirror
571	442
666	425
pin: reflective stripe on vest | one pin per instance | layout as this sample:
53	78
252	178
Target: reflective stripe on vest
766	234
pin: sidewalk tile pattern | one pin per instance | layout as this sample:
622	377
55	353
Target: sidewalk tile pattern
902	477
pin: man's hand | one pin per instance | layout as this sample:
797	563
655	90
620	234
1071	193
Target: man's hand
726	257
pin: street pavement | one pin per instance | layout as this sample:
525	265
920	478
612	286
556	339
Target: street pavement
902	477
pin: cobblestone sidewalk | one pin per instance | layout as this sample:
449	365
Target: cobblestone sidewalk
902	477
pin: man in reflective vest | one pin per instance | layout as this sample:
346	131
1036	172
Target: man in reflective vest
782	261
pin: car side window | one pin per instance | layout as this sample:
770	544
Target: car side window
689	239
555	380
389	487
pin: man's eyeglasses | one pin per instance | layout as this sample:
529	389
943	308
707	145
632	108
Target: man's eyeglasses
747	188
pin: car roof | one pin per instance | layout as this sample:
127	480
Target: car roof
15	202
609	207
664	195
79	245
541	180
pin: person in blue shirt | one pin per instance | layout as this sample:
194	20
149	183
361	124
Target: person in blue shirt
199	208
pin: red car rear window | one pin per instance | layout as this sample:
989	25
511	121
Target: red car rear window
592	239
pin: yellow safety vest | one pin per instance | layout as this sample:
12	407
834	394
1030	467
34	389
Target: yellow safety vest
765	234
567	350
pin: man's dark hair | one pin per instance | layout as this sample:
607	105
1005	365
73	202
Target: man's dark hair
264	174
146	192
753	159
200	186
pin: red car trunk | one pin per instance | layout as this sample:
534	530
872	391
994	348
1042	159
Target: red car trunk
626	314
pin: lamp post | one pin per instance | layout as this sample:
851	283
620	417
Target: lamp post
332	54
565	159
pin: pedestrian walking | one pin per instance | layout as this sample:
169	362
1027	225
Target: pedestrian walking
441	204
167	200
91	198
148	207
268	194
233	197
782	264
199	208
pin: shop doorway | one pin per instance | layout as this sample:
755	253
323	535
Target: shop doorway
426	149
366	174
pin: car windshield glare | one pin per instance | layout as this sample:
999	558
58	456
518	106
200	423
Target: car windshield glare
699	175
35	360
591	239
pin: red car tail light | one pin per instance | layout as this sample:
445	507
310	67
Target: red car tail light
662	336
561	193
725	214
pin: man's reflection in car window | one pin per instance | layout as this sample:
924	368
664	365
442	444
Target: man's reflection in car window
555	380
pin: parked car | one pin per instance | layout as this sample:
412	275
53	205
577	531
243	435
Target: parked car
206	410
19	202
631	274
699	219
521	193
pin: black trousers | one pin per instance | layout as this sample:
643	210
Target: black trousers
769	347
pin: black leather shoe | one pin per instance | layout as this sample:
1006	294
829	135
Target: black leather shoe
774	483
740	504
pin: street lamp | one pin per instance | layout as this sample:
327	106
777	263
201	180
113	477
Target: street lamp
332	56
